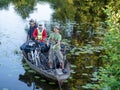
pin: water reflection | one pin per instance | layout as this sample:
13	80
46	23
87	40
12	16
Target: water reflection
12	36
12	32
43	12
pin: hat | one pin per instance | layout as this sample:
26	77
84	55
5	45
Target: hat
40	24
31	20
57	27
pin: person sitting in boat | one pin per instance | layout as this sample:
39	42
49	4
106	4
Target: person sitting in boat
25	47
31	30
55	39
40	35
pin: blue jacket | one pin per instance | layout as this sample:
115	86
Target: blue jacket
31	30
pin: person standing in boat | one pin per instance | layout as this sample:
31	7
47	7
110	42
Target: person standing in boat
40	35
33	26
55	39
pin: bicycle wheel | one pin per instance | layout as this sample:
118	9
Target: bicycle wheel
44	61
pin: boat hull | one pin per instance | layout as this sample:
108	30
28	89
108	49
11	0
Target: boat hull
55	75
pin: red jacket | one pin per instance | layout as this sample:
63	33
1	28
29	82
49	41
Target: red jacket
44	34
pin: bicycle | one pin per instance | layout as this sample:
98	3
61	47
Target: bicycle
36	56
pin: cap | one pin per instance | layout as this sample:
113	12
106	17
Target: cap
57	27
40	23
32	20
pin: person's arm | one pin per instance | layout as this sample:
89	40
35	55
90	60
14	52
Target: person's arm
48	40
35	33
44	35
28	35
58	43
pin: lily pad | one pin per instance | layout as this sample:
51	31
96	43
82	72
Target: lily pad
85	74
5	89
70	77
73	66
77	53
43	80
37	77
72	71
87	86
51	83
89	67
31	71
97	51
16	52
83	52
94	79
65	81
10	75
90	52
27	67
25	64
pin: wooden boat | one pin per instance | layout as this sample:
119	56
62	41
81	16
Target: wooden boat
56	74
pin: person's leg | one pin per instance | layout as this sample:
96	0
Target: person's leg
25	54
24	49
60	57
42	44
50	58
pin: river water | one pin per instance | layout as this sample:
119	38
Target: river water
12	35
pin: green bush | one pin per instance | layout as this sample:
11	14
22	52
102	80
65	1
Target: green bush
109	75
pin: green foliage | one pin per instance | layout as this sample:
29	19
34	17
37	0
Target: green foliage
108	76
4	4
24	7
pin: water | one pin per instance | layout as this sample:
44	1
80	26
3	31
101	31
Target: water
12	35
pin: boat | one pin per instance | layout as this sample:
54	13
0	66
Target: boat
43	68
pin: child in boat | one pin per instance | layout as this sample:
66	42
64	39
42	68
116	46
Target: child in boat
55	38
